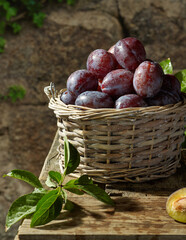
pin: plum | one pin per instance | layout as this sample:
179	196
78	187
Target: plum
172	85
117	83
100	62
148	79
129	53
162	98
81	81
67	98
94	99
176	205
130	100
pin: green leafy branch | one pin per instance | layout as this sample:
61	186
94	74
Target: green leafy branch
43	206
11	11
15	92
181	76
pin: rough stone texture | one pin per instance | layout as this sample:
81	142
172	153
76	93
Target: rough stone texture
26	133
36	57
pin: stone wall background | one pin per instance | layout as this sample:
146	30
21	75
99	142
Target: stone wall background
36	57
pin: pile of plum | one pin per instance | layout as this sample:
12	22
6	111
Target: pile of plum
121	77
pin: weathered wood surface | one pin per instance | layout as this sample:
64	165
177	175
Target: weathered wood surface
139	213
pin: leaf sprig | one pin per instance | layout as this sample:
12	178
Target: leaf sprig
43	206
14	93
11	11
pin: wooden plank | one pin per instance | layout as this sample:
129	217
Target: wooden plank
139	212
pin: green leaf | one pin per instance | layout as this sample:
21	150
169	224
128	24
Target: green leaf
66	151
16	27
56	176
38	19
181	76
10	12
69	206
71	187
50	194
50	183
50	214
64	195
26	176
40	190
2	44
84	179
5	4
16	92
32	6
48	208
2	27
84	183
70	2
97	193
73	158
167	66
22	208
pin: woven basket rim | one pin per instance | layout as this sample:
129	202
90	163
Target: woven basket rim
80	112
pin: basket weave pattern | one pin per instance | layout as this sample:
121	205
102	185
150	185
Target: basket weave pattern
122	145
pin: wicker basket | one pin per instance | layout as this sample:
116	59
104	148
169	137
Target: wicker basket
122	145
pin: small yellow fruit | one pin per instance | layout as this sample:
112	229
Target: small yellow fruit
176	205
